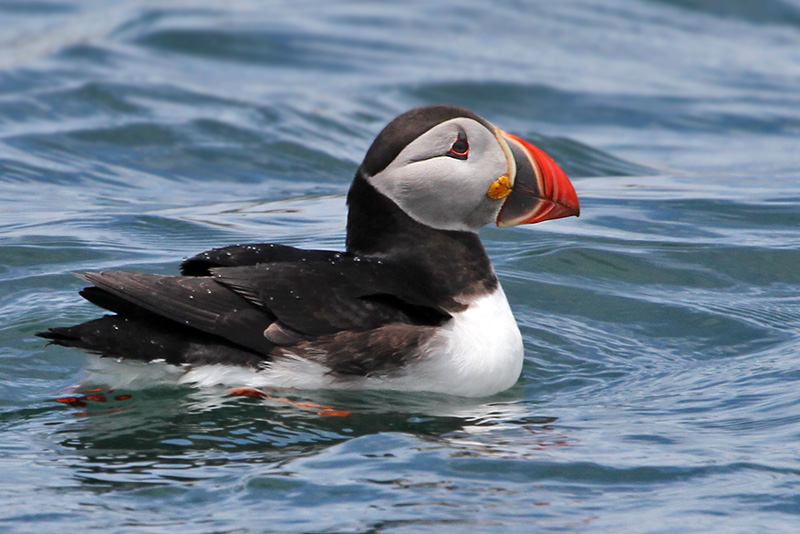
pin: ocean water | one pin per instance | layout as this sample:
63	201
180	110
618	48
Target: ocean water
661	385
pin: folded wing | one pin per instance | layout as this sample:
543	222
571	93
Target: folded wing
265	296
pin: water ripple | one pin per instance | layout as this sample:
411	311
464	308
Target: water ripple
661	327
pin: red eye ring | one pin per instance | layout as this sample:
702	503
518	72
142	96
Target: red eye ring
460	149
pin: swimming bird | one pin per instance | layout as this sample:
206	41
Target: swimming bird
413	303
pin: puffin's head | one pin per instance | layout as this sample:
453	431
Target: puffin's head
450	169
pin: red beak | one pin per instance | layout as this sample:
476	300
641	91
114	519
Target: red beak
541	189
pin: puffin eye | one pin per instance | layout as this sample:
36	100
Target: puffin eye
460	149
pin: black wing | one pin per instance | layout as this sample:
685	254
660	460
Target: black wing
344	293
199	303
260	306
250	254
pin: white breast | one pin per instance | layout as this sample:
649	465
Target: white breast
477	353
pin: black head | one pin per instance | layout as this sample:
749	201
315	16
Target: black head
449	169
404	129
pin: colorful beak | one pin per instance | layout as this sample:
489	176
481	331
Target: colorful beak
541	190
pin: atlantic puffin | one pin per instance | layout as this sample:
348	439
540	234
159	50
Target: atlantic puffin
412	304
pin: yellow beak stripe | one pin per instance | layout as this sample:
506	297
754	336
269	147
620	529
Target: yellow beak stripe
500	188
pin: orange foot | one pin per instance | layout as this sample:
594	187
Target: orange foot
81	399
260	394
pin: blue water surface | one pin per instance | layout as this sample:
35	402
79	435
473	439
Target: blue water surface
662	328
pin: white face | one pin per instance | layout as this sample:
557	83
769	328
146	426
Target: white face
448	192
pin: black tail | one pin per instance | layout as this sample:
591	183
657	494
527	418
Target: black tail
150	338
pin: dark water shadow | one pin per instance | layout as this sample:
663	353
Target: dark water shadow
169	434
762	12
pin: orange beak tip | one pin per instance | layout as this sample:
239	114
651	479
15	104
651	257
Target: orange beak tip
542	191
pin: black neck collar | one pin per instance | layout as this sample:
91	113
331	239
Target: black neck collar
455	261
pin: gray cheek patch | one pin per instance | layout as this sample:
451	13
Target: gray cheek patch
444	192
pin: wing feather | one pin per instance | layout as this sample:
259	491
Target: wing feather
307	298
250	254
200	303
